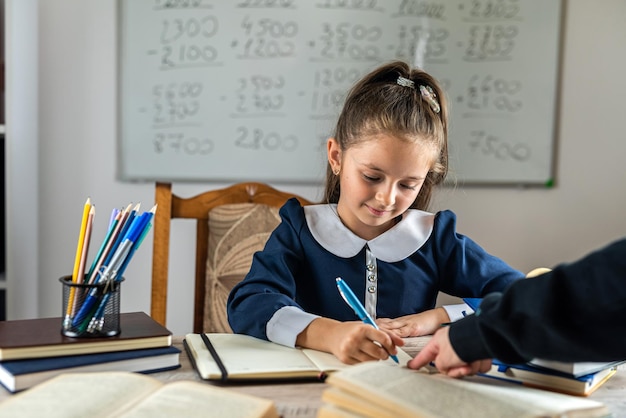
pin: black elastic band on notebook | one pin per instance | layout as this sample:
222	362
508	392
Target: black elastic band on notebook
215	356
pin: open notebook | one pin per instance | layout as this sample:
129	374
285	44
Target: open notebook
241	357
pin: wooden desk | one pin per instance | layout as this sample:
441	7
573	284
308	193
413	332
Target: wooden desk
301	400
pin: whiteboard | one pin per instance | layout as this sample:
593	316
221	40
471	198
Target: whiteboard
230	90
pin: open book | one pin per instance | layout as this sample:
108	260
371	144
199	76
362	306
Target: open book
379	391
242	357
131	395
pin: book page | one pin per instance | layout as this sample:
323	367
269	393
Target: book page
331	411
325	362
406	391
335	396
197	400
95	395
248	357
328	362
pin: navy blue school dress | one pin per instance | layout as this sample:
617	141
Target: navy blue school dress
400	272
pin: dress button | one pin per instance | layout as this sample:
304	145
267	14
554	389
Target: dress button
371	289
371	278
370	267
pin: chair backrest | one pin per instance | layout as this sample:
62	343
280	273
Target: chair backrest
171	206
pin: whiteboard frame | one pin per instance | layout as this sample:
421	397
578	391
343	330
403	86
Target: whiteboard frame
453	178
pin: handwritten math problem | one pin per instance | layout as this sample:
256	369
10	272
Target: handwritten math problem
229	89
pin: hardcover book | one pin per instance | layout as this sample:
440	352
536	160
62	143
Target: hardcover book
17	375
548	379
577	369
35	338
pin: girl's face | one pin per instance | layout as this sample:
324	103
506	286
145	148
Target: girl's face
379	180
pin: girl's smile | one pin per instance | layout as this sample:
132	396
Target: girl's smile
376	212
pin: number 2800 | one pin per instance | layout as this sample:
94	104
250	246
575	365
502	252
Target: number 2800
257	139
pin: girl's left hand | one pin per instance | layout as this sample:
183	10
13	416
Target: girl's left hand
415	325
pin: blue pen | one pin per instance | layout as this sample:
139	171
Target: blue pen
133	249
348	295
110	273
144	227
97	321
128	224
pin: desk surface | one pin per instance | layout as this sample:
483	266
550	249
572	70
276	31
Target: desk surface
303	399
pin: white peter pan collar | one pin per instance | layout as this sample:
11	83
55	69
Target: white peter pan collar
396	244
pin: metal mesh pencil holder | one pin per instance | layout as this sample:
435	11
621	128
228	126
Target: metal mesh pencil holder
90	310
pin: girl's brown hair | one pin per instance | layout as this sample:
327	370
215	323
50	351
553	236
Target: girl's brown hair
378	104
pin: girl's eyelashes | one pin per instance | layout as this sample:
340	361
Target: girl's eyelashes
375	179
370	178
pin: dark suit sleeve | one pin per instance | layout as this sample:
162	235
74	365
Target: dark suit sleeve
577	312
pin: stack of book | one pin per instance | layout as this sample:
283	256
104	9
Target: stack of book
579	379
34	350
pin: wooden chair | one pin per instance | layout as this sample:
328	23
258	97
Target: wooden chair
171	206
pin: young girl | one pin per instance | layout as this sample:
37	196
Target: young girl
388	154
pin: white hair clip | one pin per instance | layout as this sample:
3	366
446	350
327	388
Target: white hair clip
429	95
405	82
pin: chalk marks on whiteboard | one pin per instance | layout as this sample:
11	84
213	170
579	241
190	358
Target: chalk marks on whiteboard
489	96
250	89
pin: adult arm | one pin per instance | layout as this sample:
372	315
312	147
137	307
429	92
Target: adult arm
573	313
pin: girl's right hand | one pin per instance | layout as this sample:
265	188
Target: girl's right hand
351	342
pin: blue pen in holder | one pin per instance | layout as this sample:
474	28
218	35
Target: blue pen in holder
91	310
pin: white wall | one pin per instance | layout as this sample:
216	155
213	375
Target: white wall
586	209
526	227
21	166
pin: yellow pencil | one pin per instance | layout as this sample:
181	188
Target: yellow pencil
79	252
80	277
